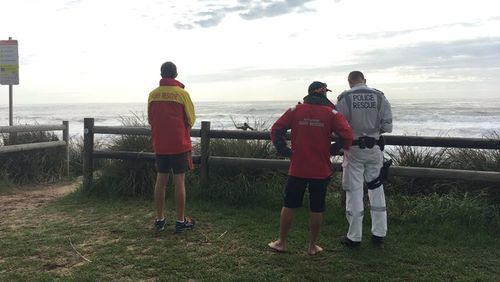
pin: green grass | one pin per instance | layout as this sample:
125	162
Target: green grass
229	244
35	166
4	185
438	229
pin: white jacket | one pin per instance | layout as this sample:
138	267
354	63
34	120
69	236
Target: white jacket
367	111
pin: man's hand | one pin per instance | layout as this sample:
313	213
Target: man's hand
284	151
335	148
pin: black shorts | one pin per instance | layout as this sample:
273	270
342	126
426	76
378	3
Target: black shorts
296	187
178	163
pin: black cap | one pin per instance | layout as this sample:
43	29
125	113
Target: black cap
168	70
318	87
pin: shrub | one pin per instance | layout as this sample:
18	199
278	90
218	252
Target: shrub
236	185
76	156
482	160
37	166
127	177
418	157
462	159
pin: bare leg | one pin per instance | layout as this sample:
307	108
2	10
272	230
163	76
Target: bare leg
160	185
315	219
285	224
180	195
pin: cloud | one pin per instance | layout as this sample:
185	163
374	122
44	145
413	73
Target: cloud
462	60
284	74
68	5
389	34
274	8
475	53
214	13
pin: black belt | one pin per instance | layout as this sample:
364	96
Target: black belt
365	142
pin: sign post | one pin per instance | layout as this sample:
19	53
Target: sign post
9	68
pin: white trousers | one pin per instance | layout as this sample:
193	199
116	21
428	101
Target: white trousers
362	165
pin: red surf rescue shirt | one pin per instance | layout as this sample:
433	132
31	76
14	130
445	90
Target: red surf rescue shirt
312	127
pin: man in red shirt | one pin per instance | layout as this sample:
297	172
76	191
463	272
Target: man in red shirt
171	116
312	125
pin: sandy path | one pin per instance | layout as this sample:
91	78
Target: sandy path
25	198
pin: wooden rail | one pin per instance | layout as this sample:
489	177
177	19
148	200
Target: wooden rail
31	146
13	130
422	141
205	161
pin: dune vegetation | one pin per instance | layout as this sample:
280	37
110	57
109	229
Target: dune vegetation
438	229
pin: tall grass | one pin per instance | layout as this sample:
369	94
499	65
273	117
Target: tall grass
243	185
234	185
484	160
418	157
462	159
37	166
257	185
127	177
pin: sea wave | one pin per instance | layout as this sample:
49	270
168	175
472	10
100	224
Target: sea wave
454	118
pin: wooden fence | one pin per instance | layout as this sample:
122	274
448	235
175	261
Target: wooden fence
204	160
13	130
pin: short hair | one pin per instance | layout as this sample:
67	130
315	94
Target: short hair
168	70
355	75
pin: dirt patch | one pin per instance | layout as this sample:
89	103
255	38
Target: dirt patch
26	198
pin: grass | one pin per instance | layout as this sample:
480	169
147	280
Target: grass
438	230
4	185
229	244
43	165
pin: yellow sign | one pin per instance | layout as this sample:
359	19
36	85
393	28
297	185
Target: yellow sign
9	62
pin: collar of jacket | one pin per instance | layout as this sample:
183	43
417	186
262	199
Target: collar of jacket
318	99
170	82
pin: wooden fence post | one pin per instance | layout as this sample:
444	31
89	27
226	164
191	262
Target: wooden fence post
88	150
12	138
66	148
205	147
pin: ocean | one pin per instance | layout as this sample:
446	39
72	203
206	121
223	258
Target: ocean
420	117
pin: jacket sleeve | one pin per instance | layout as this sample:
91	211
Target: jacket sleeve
278	133
342	105
342	128
189	109
386	116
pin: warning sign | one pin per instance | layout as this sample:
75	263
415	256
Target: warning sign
9	62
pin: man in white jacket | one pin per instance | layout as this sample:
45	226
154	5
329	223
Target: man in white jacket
369	114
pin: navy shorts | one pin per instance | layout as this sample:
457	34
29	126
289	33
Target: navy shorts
296	187
178	163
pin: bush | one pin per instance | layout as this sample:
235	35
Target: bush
234	185
127	177
462	159
481	160
37	166
237	185
418	157
250	185
76	156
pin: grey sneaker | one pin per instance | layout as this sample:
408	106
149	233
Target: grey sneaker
160	224
182	226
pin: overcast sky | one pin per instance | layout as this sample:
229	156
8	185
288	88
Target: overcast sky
111	50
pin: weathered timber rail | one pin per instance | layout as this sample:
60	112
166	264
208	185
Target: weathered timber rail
204	160
13	130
